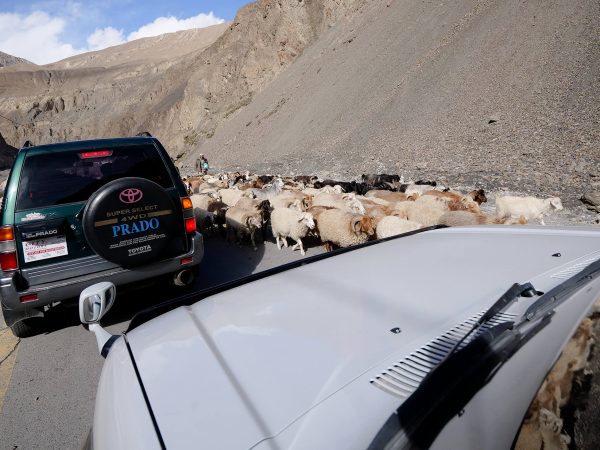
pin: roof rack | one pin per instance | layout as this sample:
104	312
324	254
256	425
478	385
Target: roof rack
144	134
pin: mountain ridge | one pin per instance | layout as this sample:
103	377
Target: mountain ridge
9	60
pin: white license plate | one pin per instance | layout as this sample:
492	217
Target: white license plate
44	248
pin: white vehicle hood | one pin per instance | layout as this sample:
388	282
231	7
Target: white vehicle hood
240	367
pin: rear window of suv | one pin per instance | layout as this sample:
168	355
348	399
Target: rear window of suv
56	178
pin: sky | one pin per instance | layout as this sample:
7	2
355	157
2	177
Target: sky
46	31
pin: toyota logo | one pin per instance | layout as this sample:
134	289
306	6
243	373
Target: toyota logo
130	195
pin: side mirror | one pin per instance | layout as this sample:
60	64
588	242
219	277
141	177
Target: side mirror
95	301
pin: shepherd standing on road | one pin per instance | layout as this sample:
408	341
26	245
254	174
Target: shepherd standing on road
204	163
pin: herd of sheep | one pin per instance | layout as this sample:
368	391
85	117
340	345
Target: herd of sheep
341	214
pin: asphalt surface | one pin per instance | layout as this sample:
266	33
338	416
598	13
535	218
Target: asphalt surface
50	396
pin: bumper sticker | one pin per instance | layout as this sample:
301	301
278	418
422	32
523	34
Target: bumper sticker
45	248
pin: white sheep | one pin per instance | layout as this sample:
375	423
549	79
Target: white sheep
295	199
231	196
389	196
431	201
290	223
530	208
268	192
343	229
392	226
242	221
337	189
344	202
426	215
465	218
419	189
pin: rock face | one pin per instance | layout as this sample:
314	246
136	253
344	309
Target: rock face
592	201
9	60
206	77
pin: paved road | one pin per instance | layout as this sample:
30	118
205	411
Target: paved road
50	396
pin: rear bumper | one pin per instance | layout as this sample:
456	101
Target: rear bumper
67	288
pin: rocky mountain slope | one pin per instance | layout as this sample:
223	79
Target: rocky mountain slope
500	93
179	87
9	60
113	92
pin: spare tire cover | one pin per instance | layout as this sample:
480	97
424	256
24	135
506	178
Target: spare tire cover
130	221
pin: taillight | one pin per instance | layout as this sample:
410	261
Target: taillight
8	249
190	222
187	260
8	261
190	225
186	203
6	233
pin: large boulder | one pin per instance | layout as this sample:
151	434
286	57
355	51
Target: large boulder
592	201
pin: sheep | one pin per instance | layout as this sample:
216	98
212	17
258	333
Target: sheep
204	218
478	196
346	187
267	193
462	218
456	201
212	192
426	215
240	222
188	186
374	179
387	195
343	229
530	208
218	209
345	202
324	189
418	189
402	209
290	223
287	198
316	211
391	226
261	206
433	201
231	196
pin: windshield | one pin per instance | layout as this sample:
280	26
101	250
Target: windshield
50	179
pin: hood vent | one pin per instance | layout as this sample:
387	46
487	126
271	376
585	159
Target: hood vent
403	378
567	273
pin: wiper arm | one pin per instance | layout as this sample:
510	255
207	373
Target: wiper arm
511	295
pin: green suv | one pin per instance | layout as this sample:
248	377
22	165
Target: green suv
80	212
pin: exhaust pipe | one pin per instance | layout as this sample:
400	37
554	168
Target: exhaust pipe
184	277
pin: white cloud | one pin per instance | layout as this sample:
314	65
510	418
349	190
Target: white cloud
171	24
105	37
38	36
35	37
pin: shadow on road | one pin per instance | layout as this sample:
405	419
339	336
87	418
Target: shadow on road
223	262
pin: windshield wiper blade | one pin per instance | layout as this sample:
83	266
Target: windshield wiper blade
511	295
